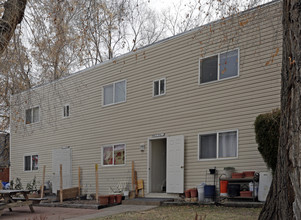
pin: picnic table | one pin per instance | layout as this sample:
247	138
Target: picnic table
9	199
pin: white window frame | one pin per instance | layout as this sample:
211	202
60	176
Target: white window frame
113	165
218	66
32	115
63	113
114	103
32	154
159	80
217	147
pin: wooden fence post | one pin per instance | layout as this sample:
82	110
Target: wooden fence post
79	182
61	183
96	181
133	176
43	181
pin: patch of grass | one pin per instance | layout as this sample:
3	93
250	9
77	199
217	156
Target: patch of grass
189	213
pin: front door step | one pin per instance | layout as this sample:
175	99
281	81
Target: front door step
162	195
146	201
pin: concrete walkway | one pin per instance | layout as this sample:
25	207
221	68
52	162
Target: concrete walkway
115	210
59	213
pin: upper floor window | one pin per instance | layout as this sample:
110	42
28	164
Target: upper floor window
159	87
218	145
66	111
31	162
218	67
32	115
114	93
113	155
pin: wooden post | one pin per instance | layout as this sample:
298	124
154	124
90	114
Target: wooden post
96	181
78	181
133	176
61	183
43	181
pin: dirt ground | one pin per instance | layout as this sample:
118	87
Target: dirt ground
45	213
189	213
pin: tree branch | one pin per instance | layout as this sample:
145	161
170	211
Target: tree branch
12	16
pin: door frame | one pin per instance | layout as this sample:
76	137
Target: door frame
149	151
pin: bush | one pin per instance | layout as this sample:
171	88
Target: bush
267	136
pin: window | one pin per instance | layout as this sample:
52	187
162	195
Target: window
114	93
113	155
159	87
31	162
32	115
66	111
218	67
218	145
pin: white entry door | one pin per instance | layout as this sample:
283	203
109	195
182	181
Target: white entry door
175	164
61	156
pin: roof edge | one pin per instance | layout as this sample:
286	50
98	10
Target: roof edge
153	44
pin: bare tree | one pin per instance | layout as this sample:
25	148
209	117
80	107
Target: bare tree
102	29
284	198
12	16
111	28
183	16
54	40
14	75
143	26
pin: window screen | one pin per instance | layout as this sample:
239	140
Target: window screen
208	69
32	115
107	155
108	94
227	144
66	111
162	86
36	114
159	87
28	116
228	64
156	88
218	67
207	146
120	91
119	152
114	93
27	163
35	162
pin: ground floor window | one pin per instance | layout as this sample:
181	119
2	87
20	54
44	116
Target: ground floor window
31	162
217	145
113	155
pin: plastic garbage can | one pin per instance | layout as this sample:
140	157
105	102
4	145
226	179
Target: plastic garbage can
201	192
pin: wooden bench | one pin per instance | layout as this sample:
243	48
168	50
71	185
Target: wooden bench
34	200
7	198
16	204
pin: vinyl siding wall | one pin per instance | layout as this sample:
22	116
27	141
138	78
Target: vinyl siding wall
188	108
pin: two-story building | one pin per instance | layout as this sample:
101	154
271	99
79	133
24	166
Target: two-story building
176	108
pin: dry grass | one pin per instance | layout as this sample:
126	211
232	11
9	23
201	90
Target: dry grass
189	213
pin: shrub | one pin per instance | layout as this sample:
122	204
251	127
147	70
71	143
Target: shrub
267	136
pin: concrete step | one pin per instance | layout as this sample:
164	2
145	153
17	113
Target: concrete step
146	201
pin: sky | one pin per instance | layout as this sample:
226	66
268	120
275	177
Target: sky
164	4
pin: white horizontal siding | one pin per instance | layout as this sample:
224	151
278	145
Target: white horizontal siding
187	108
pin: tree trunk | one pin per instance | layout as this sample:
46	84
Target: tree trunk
284	198
13	15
